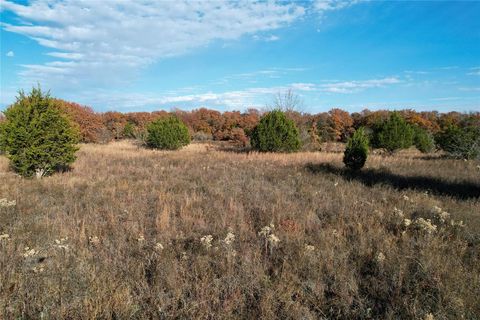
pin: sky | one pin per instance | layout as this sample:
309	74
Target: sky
160	55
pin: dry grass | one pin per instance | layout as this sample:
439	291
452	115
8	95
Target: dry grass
344	249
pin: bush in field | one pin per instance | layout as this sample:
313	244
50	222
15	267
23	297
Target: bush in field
168	133
129	131
394	133
275	133
356	151
423	140
36	136
459	142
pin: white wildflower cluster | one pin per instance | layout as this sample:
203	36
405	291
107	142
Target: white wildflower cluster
429	316
93	241
380	257
441	214
457	224
158	246
398	212
406	198
425	225
207	241
407	222
309	248
141	238
273	239
184	256
4	203
444	217
267	233
38	269
29	252
400	215
230	237
4	236
228	242
61	243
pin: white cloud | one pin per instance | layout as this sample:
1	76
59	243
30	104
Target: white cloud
272	38
10	54
106	40
329	5
357	86
230	100
268	38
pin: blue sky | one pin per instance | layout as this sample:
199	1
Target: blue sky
145	56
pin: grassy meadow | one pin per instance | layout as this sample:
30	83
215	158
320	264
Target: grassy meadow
212	232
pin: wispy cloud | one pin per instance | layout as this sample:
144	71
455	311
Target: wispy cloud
10	54
474	71
267	38
416	72
474	89
104	41
357	86
228	100
254	76
329	5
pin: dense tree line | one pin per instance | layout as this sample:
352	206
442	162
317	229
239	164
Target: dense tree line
335	125
38	133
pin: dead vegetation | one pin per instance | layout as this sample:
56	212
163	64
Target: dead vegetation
120	237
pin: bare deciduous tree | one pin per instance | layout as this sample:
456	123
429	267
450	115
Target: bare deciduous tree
288	101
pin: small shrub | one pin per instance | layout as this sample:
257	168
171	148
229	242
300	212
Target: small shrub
275	133
356	151
459	142
423	140
129	131
394	134
168	133
36	137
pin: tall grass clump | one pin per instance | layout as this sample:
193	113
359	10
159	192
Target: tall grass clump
36	136
356	151
275	133
167	134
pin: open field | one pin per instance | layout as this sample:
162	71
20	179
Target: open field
119	237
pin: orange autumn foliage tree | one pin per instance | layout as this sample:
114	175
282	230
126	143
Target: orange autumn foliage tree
140	120
115	123
89	123
341	124
417	119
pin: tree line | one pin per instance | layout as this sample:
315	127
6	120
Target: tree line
39	133
335	125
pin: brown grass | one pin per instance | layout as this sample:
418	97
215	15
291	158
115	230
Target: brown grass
121	194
